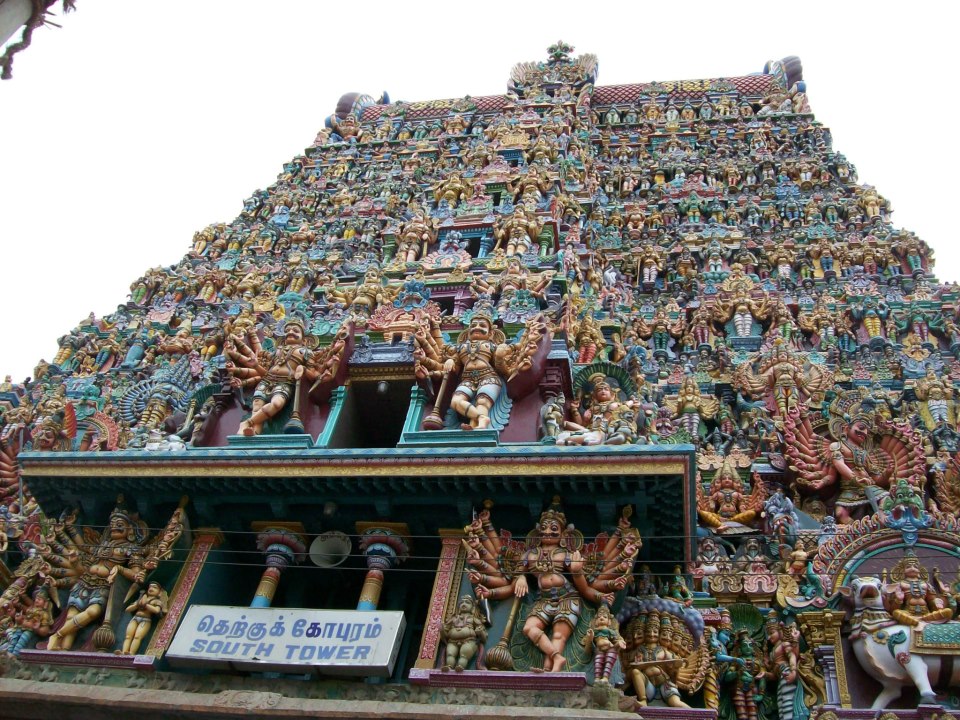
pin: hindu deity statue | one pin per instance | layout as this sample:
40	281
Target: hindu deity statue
518	232
276	383
604	640
783	378
783	641
747	677
483	361
91	567
152	604
588	339
742	309
652	663
592	415
564	578
415	237
368	295
463	632
937	400
690	407
452	189
858	461
660	328
910	598
725	504
513	282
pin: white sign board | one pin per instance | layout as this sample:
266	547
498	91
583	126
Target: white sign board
333	642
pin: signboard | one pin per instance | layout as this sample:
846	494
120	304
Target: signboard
332	642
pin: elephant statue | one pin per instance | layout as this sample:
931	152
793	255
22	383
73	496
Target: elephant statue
883	647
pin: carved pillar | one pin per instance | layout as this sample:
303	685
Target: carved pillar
446	588
821	629
418	399
486	244
204	540
337	401
462	300
282	543
384	545
551	384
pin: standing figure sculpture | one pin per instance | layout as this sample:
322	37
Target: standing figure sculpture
603	638
564	577
90	567
484	361
151	604
275	383
463	632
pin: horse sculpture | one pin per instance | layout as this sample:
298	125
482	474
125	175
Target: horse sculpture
887	650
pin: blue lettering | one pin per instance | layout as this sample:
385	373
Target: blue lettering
264	649
198	646
374	629
257	631
325	652
239	628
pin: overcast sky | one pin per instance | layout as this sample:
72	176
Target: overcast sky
138	123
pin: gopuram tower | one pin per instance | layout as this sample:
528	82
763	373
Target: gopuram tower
571	401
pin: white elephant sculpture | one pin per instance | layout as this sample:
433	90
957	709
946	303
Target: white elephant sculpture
882	646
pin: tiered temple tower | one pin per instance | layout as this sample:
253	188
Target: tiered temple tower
590	398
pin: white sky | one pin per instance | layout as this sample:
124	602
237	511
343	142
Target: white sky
138	122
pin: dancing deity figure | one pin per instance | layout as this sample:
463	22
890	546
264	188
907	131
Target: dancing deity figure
782	376
91	568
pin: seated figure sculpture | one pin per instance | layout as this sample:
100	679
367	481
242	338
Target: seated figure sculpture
912	600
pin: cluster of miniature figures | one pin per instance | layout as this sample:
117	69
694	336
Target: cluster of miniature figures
669	263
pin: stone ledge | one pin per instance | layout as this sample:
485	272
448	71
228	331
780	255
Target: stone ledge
499	680
88	659
54	701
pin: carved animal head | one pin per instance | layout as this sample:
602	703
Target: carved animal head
865	592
